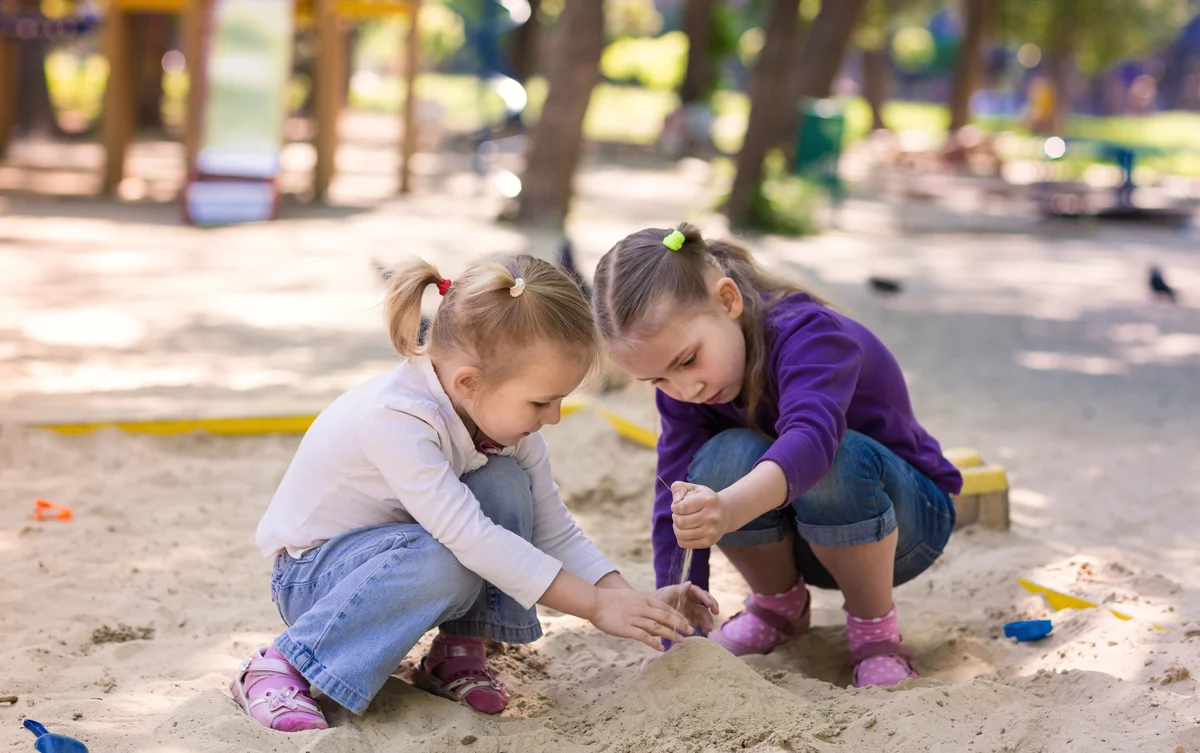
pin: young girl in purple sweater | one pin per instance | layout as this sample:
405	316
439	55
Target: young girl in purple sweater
788	438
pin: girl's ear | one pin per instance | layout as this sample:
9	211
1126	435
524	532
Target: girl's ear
729	295
467	381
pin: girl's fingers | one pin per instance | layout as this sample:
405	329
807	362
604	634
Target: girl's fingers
705	598
690	505
665	615
642	636
657	628
695	540
688	534
701	519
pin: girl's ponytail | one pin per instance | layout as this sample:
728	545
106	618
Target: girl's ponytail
403	313
656	263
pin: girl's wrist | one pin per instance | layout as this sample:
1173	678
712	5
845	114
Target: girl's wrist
592	605
613	579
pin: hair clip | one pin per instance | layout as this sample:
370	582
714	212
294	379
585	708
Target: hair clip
443	286
674	240
518	287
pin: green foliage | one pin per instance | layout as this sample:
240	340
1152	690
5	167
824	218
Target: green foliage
784	204
914	49
723	36
631	18
872	31
1098	32
656	63
442	34
77	83
750	45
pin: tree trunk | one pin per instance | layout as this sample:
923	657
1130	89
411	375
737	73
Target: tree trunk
558	137
876	84
525	45
350	36
980	15
151	41
35	113
767	80
817	63
697	24
1060	65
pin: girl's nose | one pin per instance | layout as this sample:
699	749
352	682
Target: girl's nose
554	415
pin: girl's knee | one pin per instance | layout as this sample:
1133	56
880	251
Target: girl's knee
504	493
727	457
450	577
853	487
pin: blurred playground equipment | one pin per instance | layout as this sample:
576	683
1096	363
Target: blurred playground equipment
228	74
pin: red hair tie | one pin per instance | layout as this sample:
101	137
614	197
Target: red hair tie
443	286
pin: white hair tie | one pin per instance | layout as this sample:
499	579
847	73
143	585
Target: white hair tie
518	288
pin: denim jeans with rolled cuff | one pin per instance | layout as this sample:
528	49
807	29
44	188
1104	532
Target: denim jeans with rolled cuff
867	494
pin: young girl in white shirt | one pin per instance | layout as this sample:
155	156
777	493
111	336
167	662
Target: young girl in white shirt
423	498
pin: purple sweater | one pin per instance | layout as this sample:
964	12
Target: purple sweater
829	374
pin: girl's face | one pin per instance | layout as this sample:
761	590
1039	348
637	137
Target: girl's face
524	402
693	354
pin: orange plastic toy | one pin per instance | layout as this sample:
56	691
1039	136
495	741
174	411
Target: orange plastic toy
47	510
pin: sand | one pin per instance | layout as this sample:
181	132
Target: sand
123	626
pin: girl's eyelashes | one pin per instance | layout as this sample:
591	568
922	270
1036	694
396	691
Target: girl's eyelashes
688	362
541	405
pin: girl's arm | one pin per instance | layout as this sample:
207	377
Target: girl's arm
407	452
433	495
685	429
555	531
617	611
816	367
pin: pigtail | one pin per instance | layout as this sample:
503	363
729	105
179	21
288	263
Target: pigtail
403	312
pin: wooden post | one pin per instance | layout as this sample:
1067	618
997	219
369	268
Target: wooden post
412	65
8	91
328	83
194	21
117	122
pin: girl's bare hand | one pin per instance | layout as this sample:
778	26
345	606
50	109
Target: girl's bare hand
698	605
699	515
629	614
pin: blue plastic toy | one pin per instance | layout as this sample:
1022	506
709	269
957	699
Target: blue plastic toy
47	742
1028	630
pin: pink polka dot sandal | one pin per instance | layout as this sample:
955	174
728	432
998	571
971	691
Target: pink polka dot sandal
898	664
759	630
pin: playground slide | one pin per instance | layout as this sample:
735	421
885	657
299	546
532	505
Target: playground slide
244	78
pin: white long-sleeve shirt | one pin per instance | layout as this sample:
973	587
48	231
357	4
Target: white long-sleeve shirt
392	450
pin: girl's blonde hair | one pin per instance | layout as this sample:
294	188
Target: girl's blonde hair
641	270
492	311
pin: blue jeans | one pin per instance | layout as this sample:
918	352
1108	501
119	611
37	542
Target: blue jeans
357	604
867	494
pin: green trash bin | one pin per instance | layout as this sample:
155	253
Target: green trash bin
819	141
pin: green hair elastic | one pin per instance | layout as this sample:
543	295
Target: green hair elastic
674	240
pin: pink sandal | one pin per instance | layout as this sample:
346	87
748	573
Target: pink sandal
891	649
787	628
275	694
456	668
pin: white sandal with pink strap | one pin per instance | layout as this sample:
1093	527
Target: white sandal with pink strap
287	708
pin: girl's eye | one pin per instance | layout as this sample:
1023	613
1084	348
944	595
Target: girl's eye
541	405
690	360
